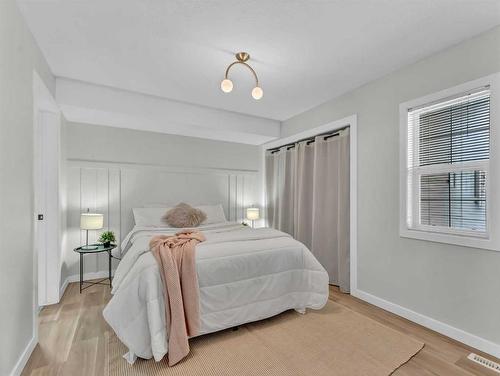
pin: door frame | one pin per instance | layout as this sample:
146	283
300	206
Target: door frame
43	102
47	202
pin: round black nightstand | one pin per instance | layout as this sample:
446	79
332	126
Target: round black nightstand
100	248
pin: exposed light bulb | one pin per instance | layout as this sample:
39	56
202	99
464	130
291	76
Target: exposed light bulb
226	85
257	93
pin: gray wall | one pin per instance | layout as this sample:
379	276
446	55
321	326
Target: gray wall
100	143
19	56
115	190
456	285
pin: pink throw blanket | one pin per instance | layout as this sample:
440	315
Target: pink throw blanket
176	258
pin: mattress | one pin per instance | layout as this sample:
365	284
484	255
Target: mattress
244	275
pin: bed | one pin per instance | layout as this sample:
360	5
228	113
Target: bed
244	275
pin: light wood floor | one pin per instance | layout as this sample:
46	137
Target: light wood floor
72	338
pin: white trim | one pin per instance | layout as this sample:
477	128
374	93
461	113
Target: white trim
352	122
430	323
88	276
63	288
464	238
455	167
23	359
353	193
337	124
48	145
42	99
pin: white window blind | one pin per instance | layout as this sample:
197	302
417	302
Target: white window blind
448	163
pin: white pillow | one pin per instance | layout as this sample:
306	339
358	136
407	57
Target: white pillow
150	216
158	205
215	213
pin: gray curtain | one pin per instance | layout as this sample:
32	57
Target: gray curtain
281	170
307	192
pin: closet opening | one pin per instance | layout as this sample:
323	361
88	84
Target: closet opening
309	185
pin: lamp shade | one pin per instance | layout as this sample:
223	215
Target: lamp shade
252	214
91	221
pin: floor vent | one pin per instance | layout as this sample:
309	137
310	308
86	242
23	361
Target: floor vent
494	366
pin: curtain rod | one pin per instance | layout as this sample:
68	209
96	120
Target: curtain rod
309	140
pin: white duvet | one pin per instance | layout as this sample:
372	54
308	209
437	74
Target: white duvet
244	275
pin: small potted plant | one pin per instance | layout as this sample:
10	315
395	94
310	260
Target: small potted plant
106	238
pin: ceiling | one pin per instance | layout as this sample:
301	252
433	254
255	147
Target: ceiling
305	52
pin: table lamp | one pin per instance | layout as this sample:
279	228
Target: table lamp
90	221
252	215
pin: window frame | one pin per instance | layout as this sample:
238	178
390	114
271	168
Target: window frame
410	226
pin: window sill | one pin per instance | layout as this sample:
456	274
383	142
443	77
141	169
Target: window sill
465	241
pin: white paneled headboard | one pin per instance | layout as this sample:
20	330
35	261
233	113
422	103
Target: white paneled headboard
170	186
115	188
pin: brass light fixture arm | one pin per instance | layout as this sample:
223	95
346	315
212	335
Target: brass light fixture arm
246	65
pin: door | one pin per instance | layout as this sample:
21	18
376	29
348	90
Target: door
47	207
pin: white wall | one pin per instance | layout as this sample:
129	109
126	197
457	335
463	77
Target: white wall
455	285
111	170
19	56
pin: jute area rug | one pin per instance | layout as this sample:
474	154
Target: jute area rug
334	341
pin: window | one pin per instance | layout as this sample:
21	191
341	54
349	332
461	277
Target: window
449	149
446	183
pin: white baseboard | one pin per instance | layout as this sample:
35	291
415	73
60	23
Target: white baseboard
63	288
23	359
438	326
92	275
86	277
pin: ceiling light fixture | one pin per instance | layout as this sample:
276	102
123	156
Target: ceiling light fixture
227	85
